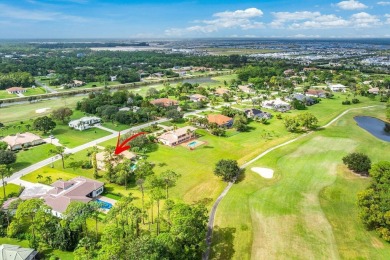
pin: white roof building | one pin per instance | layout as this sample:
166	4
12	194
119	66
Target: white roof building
84	122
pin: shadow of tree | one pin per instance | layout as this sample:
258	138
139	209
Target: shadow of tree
222	247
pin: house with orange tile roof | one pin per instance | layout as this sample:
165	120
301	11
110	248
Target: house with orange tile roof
20	141
16	90
220	120
165	102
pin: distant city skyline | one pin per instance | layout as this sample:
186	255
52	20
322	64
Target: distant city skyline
36	19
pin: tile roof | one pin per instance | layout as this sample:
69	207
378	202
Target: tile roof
219	119
20	139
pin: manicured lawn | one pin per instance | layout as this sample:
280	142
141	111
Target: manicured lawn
32	155
34	91
5	94
115	126
71	138
308	210
10	188
24	243
25	112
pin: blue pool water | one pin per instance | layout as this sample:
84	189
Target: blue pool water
192	143
104	204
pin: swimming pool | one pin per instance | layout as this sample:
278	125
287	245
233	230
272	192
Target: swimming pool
192	143
104	204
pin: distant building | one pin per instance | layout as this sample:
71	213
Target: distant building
220	120
316	93
256	113
113	78
178	136
374	91
304	99
277	105
77	189
197	98
247	89
84	123
165	102
20	141
221	91
337	87
14	252
16	90
78	83
289	72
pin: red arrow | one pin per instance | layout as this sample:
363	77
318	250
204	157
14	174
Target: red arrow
120	147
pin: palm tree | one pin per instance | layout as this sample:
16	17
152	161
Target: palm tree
140	182
39	177
48	179
5	171
60	150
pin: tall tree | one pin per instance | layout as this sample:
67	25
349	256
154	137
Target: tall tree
227	169
169	178
62	114
5	171
44	124
60	151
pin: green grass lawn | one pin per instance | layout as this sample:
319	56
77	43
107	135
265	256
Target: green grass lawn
115	126
5	94
25	112
34	91
10	188
308	210
71	138
24	243
32	155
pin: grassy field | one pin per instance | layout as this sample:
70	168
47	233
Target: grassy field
27	111
10	188
31	156
71	138
308	210
24	243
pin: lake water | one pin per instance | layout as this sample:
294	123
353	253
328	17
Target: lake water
200	80
374	126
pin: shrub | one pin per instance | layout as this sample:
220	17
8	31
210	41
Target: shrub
346	102
355	101
358	162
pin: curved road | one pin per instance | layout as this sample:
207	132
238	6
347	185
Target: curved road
210	224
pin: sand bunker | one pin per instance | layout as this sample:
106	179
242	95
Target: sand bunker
42	110
264	172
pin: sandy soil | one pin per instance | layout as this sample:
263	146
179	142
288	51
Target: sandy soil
264	172
42	110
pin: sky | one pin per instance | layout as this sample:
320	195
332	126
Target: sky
50	19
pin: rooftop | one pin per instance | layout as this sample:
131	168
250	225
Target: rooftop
20	139
218	119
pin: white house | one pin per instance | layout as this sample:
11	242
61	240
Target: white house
337	87
113	78
277	105
178	136
16	90
84	123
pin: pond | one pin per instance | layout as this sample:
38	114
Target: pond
374	126
200	80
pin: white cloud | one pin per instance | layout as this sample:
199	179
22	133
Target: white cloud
364	20
282	17
242	19
316	20
388	18
351	5
35	15
383	3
